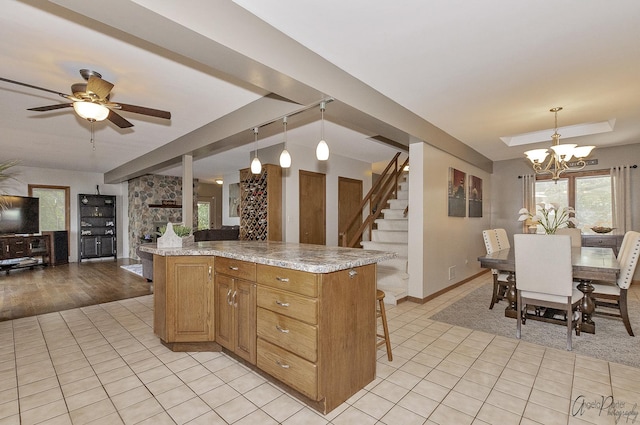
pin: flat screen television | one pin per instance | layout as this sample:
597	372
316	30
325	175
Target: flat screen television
19	215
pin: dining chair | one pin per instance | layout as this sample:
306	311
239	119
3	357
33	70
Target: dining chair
574	232
496	240
612	296
545	278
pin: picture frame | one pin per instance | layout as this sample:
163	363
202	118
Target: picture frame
475	196
457	193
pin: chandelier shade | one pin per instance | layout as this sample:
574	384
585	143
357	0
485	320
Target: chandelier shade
561	154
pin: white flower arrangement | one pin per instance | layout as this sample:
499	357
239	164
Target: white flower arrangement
550	217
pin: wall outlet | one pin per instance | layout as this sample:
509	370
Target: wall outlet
452	272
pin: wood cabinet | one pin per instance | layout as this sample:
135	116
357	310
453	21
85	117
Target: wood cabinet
19	251
316	332
261	204
603	241
97	226
183	299
235	312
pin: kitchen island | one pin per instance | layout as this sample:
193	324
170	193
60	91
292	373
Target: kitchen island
301	314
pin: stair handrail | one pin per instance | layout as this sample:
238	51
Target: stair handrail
384	188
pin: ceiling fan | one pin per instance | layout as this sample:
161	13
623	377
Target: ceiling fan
90	101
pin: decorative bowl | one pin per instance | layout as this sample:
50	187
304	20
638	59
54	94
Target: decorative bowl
600	229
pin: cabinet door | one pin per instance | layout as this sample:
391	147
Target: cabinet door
244	302
107	246
89	246
189	299
224	311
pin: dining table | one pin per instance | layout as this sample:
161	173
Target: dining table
589	263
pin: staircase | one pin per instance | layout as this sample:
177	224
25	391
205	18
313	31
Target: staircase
392	234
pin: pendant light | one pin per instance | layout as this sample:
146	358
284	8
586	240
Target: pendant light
322	150
285	157
256	166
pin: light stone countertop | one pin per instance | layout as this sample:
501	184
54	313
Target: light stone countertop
304	257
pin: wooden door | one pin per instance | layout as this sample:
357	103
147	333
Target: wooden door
312	207
349	199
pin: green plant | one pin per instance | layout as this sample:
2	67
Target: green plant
178	229
550	217
4	176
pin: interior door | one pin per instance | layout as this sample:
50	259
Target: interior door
312	207
349	198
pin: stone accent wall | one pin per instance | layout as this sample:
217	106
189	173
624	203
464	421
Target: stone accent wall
149	190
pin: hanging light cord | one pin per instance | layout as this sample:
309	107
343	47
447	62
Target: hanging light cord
322	107
93	140
255	132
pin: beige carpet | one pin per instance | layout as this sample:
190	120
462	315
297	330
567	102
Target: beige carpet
610	342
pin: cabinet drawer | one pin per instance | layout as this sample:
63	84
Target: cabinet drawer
298	373
598	241
303	283
289	304
293	335
235	268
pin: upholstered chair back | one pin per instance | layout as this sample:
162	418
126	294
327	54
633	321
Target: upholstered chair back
628	258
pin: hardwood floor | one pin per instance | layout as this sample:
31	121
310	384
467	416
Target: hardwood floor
26	292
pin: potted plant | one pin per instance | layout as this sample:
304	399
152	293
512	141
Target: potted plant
174	236
5	175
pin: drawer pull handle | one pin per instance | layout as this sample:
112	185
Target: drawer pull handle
284	331
234	268
352	274
228	299
281	304
282	279
283	365
233	299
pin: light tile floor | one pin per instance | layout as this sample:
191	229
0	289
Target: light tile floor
103	365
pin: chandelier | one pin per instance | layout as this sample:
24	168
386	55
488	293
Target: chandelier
561	154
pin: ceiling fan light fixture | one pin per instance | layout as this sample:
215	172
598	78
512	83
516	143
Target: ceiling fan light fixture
91	111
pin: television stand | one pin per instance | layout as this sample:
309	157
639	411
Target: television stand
22	251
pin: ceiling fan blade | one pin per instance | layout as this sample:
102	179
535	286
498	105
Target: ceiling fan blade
144	110
118	120
99	86
51	107
34	87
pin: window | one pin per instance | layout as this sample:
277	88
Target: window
204	212
54	206
588	192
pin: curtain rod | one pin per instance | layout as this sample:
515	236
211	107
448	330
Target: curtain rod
619	166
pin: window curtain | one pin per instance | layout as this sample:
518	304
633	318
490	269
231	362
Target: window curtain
528	196
621	197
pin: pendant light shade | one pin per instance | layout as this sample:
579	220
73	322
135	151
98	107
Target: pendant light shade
285	157
322	150
256	166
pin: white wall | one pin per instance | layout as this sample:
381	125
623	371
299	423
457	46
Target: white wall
336	166
442	241
79	182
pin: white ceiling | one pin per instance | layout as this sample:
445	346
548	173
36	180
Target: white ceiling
476	70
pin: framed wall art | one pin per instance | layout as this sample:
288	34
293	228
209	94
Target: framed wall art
457	193
475	196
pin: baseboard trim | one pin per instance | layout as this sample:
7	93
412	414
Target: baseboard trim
445	290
